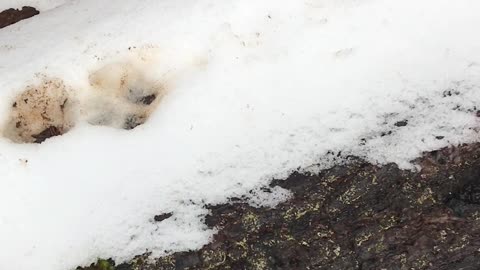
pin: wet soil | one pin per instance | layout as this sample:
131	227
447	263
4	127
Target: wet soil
355	216
47	133
11	16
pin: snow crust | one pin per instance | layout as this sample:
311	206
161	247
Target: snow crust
255	90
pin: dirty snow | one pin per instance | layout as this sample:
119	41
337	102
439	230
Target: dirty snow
254	90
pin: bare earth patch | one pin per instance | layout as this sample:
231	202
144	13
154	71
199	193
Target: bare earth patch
11	16
354	216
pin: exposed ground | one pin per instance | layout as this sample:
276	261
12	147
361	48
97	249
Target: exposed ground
356	216
11	15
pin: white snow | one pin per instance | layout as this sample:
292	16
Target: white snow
256	89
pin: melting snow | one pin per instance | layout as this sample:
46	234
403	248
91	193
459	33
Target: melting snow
219	97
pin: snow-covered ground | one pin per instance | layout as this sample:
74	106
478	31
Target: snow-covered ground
254	89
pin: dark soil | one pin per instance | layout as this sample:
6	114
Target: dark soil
132	121
47	133
11	16
356	216
162	217
147	100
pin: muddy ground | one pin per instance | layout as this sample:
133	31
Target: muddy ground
355	216
11	16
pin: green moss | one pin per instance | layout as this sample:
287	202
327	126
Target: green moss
104	265
101	264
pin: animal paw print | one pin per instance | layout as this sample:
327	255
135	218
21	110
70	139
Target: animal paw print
123	96
40	112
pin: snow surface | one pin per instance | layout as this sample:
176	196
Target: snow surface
256	89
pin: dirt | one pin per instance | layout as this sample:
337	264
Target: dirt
147	100
49	132
12	16
162	217
354	216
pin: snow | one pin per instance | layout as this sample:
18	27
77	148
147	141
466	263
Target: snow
254	90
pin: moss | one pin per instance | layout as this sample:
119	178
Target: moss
214	258
105	265
101	264
259	262
250	221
